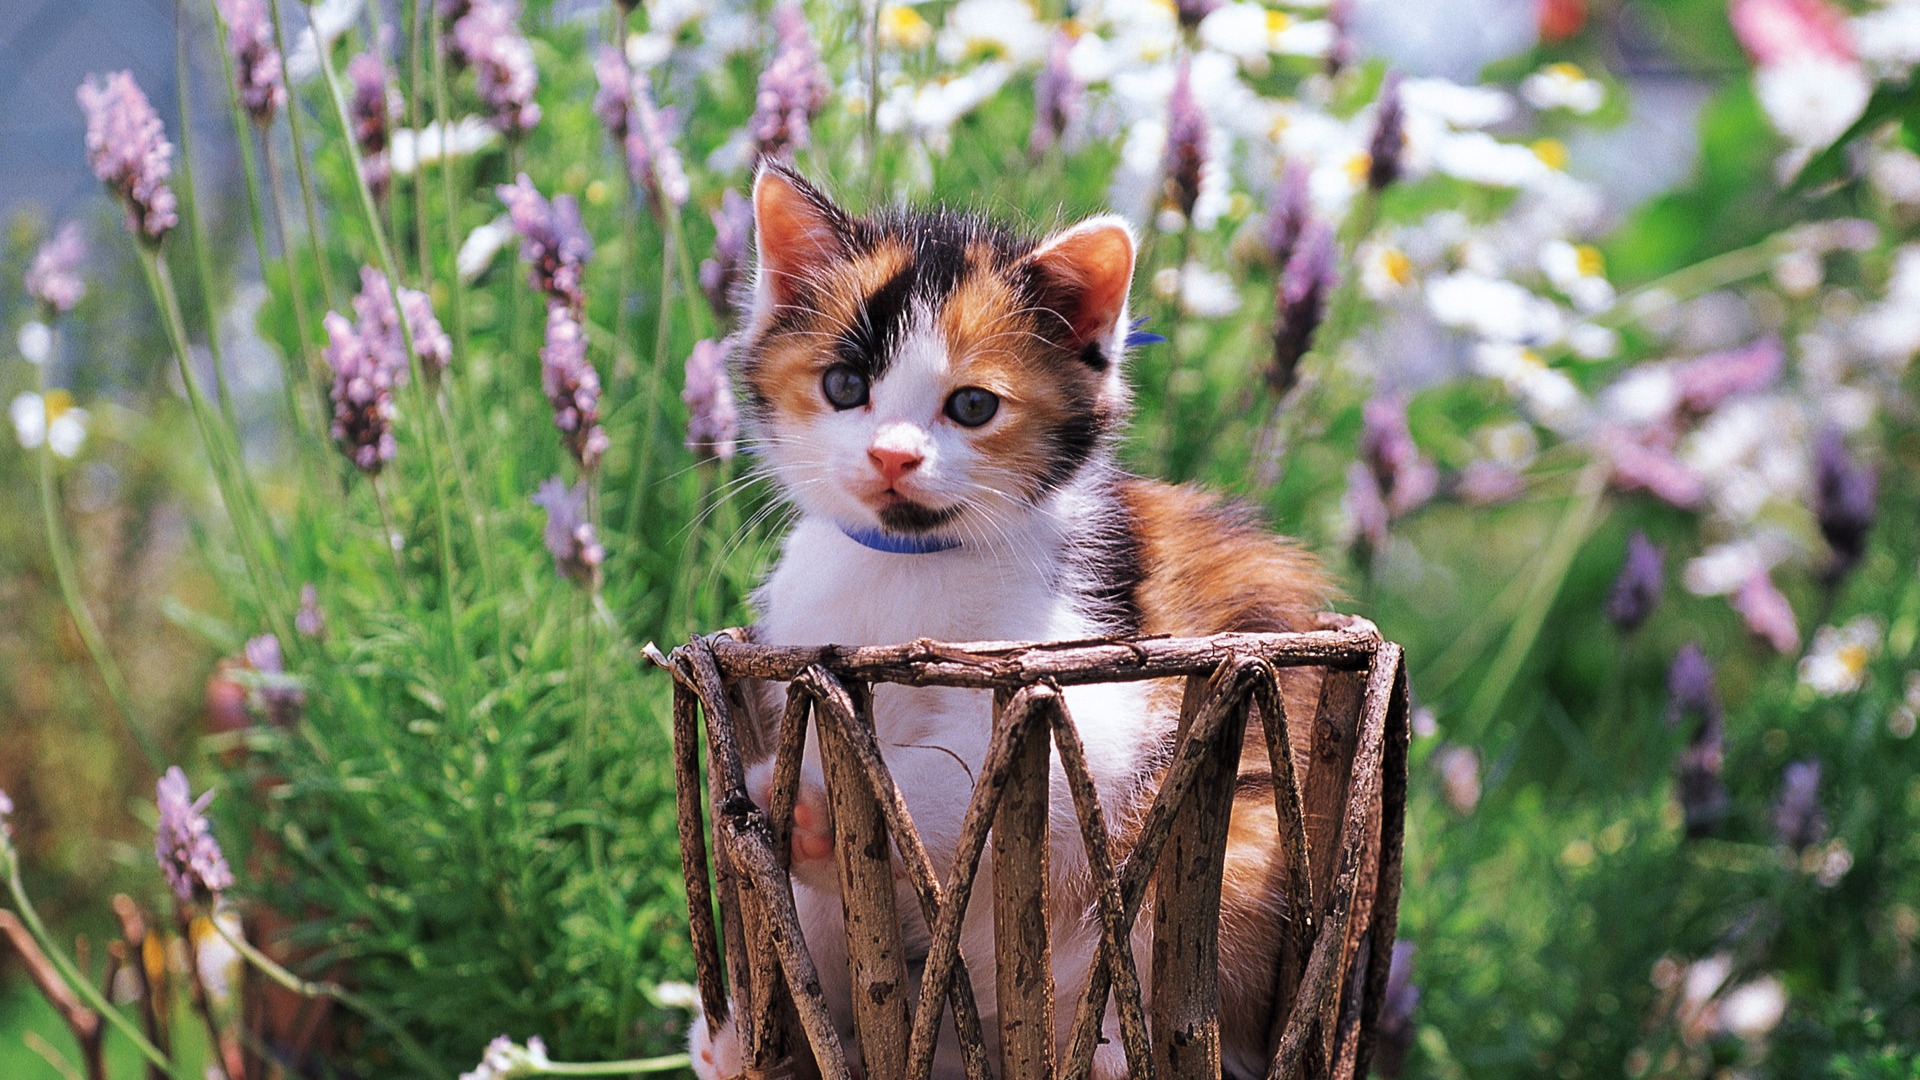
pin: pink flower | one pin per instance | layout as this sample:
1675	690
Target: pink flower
1767	613
712	421
54	278
732	229
1776	31
573	387
1185	157
128	149
380	329
256	59
488	37
552	240
372	106
1639	465
184	844
576	551
362	395
1056	96
792	89
1705	381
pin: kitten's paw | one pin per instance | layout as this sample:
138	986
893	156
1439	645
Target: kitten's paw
812	837
716	1055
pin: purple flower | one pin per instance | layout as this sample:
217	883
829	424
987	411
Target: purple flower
1638	589
1406	479
577	554
792	89
1292	209
720	273
712	423
1639	464
1304	285
53	279
362	396
189	855
1386	150
128	150
611	102
1190	12
308	621
1845	494
1486	483
379	329
1397	1004
488	37
1691	687
279	696
1340	47
1706	381
1767	613
372	106
1366	507
1185	156
652	160
1797	818
573	387
256	60
1057	96
552	240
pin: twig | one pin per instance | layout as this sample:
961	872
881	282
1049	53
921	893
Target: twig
83	1022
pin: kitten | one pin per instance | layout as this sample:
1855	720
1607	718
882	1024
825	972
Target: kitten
939	397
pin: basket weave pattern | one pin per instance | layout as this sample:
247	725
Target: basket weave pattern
1343	821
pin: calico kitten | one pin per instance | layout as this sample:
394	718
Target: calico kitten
939	398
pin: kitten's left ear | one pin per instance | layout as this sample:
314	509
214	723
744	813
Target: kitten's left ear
798	233
1082	274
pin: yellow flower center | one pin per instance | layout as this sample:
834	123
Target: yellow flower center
903	28
1551	151
1278	21
57	402
1588	260
1854	659
1564	70
1394	263
1357	167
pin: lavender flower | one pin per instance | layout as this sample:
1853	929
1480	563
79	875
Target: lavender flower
1638	589
1797	818
1487	483
712	424
128	150
1291	211
189	855
6	811
792	89
1691	687
379	328
1767	613
1366	507
1397	1004
1057	96
1845	493
1642	464
362	396
611	103
573	387
720	274
1185	156
552	240
309	622
1706	381
1386	150
53	279
1191	12
577	554
1340	48
652	160
1301	304
488	37
256	60
1406	479
279	696
372	107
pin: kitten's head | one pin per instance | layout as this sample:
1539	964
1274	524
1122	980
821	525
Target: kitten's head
927	373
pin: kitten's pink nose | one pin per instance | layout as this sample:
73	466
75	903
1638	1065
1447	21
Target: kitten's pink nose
893	463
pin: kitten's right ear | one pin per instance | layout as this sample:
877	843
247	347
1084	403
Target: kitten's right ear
1083	274
798	233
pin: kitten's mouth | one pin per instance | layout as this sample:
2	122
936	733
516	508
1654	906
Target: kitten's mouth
902	515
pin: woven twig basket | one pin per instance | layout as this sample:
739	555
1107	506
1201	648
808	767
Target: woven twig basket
1346	817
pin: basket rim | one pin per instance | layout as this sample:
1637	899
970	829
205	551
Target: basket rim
1343	643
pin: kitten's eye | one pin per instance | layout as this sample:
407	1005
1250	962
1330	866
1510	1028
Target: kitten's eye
844	387
971	406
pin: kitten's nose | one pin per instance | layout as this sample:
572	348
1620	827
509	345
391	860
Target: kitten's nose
893	463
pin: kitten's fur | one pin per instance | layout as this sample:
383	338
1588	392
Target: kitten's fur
1055	542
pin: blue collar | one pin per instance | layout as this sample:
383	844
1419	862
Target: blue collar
895	544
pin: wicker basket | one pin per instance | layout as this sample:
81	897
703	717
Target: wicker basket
1346	815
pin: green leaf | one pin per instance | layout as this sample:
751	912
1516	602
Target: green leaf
1829	166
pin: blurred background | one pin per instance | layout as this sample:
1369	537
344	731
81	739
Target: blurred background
1576	335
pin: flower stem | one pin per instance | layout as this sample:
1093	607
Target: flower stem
300	159
669	1063
196	236
292	983
650	412
82	985
63	572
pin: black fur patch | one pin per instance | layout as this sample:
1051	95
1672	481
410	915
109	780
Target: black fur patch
1118	560
912	517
